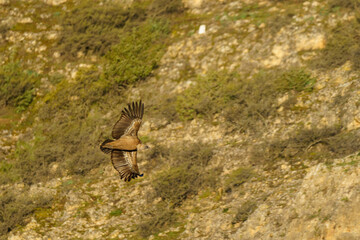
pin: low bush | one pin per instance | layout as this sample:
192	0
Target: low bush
351	4
161	218
237	178
137	54
342	46
186	175
296	80
17	85
166	7
317	144
91	28
16	206
244	211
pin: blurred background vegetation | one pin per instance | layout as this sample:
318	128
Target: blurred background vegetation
128	43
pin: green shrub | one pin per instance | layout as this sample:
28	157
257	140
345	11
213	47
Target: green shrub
159	106
16	206
137	54
17	86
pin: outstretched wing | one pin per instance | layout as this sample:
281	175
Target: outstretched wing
130	120
125	163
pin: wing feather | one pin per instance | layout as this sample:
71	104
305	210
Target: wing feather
125	163
129	116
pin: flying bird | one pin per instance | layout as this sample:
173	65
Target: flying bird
124	147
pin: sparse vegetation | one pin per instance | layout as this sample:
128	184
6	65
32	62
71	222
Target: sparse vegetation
186	175
319	144
237	178
70	113
116	212
137	54
159	219
342	45
166	7
91	28
15	206
296	80
64	137
68	119
351	4
245	210
245	103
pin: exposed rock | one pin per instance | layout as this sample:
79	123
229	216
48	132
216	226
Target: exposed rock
25	20
310	42
55	2
196	4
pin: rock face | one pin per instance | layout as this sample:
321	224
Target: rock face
294	198
324	206
54	2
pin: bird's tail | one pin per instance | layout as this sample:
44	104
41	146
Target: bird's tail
105	149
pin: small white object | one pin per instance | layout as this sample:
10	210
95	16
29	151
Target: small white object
202	29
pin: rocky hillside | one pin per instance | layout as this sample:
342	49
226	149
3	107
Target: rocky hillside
251	114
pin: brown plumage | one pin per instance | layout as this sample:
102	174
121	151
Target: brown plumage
124	148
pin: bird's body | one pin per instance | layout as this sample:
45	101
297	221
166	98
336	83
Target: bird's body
123	148
128	143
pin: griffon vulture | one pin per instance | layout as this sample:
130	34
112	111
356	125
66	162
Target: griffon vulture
123	148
